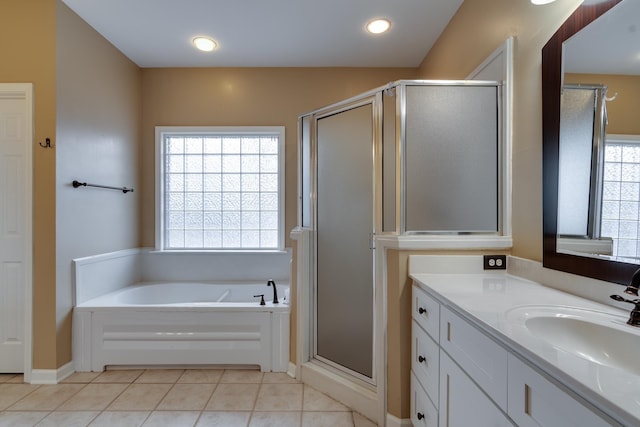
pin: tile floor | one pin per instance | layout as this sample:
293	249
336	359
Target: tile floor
171	397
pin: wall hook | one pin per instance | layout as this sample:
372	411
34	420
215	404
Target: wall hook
47	143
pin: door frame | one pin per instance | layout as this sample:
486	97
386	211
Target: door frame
25	90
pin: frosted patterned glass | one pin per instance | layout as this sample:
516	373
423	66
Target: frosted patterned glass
175	145
251	220
611	190
269	164
193	145
251	201
175	182
629	210
231	145
213	201
628	230
630	154
193	164
610	209
269	201
630	172
231	220
213	163
612	171
193	182
212	182
613	153
230	201
175	164
193	201
213	220
176	201
231	182
627	247
269	146
250	239
250	182
193	220
269	182
231	239
215	185
212	145
628	190
251	164
231	164
609	228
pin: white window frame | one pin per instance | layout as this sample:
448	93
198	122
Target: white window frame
161	131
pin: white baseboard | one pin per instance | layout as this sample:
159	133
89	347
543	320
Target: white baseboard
51	376
393	421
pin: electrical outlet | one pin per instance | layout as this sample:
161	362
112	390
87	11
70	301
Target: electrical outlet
495	262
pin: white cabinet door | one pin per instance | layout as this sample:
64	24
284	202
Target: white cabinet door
423	413
462	403
536	402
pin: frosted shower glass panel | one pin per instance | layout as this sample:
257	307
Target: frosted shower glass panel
389	162
344	294
451	159
305	173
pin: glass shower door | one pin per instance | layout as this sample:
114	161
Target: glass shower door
344	300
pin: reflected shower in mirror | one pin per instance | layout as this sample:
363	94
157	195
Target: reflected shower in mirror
598	212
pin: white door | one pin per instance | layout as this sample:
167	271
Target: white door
16	135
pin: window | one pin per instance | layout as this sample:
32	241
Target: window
220	188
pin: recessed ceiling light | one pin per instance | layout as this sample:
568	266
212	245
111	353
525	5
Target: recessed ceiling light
542	1
378	26
204	44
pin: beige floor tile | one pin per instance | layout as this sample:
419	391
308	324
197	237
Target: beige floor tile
316	401
11	393
160	376
123	376
275	419
233	397
279	397
172	418
68	419
327	419
81	377
93	397
140	397
120	419
224	419
17	379
21	419
241	376
46	397
6	377
201	376
187	397
360	421
278	378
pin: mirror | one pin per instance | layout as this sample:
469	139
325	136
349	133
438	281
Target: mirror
579	55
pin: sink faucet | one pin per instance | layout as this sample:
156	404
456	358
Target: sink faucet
275	291
632	289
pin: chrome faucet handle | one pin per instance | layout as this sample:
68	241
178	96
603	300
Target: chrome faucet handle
634	316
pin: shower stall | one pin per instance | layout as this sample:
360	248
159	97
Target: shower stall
413	158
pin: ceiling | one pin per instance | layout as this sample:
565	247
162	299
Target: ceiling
269	33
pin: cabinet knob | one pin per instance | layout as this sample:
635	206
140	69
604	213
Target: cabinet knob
420	415
421	359
421	310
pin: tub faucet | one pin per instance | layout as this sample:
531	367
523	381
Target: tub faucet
632	289
275	291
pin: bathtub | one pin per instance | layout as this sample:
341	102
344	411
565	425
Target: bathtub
183	323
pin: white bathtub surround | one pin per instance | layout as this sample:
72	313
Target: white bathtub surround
498	304
120	319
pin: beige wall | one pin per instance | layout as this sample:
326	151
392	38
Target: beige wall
623	110
98	141
28	46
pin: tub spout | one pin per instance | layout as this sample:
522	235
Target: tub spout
275	291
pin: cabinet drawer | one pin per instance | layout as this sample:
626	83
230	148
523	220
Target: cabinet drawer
423	413
535	402
479	356
425	362
426	311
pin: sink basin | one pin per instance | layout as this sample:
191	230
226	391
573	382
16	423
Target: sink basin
599	337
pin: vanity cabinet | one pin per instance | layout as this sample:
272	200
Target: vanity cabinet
461	376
